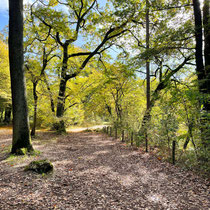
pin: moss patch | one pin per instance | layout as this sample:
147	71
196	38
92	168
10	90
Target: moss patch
21	151
40	166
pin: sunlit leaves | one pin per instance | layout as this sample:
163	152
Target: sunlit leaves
5	94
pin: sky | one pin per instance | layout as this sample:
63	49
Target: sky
3	13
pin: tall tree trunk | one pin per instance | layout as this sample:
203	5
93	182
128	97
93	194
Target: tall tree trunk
200	70
33	130
60	126
199	45
21	135
148	74
61	98
206	24
206	118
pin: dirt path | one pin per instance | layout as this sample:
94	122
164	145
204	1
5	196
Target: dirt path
86	128
93	171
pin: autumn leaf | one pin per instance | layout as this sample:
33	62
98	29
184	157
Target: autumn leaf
159	158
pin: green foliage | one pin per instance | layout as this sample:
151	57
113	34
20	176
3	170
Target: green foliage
118	97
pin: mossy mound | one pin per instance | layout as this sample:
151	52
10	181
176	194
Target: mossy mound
40	166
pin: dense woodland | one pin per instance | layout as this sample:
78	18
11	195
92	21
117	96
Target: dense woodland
139	67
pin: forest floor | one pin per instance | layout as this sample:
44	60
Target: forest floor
94	171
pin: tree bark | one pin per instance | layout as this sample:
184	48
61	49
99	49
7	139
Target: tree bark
60	126
33	130
147	73
147	61
21	136
206	24
202	73
199	45
61	98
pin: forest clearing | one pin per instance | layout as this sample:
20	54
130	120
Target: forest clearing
95	171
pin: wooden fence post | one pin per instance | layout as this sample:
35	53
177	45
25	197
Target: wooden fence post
131	138
115	132
146	142
173	152
123	136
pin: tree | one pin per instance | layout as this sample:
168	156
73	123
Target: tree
199	46
202	70
89	22
21	137
164	42
206	23
147	67
118	97
37	72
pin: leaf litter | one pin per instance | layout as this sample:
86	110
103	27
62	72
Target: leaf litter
94	171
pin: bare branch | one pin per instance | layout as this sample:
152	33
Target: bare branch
70	106
79	54
58	39
91	6
138	41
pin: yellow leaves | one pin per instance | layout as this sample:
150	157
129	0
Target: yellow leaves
53	3
4	72
3	54
159	158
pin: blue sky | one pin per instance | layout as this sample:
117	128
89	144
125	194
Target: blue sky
4	18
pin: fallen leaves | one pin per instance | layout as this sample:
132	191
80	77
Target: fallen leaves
116	178
159	158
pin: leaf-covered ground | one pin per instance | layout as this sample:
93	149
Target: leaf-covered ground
94	171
